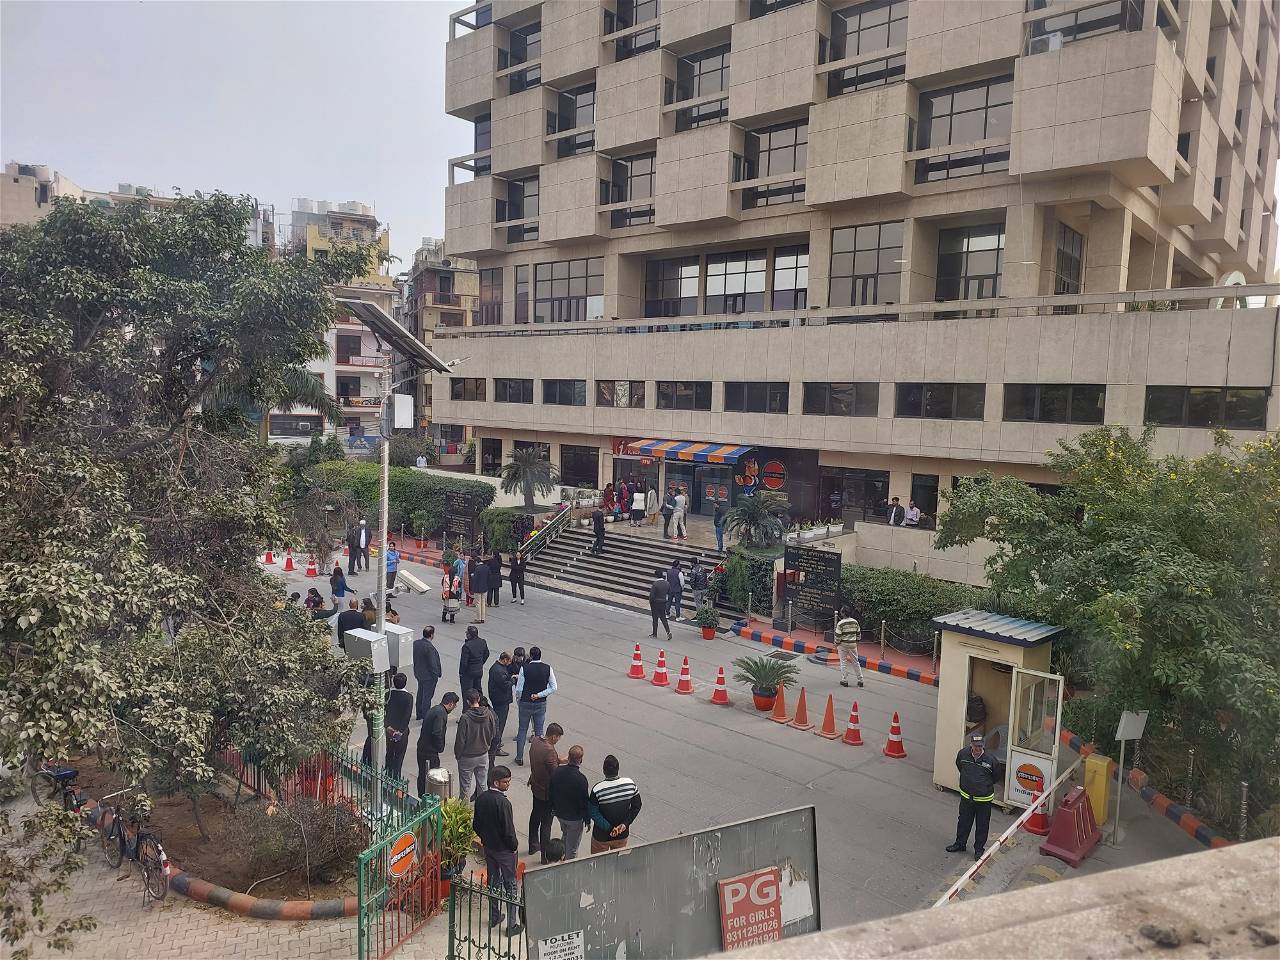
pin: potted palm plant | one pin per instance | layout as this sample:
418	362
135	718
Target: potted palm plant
759	520
457	832
707	618
765	676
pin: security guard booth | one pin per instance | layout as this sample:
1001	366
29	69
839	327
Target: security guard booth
993	679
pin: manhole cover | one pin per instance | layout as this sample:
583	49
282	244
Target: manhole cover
782	655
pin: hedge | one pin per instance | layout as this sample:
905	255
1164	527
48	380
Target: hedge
415	497
747	572
497	524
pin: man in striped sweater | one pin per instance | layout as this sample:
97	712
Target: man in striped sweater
614	804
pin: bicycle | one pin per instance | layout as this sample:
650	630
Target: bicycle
51	782
123	834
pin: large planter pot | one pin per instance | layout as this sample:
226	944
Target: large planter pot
708	633
764	697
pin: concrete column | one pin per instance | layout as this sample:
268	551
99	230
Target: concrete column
919	273
1107	250
1023	250
1150	264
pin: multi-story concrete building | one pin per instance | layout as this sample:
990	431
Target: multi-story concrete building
730	224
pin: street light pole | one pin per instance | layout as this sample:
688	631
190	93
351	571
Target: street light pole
384	428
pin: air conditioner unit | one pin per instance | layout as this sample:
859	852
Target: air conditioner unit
1046	43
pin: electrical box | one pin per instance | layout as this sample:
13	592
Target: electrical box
399	647
367	645
1098	786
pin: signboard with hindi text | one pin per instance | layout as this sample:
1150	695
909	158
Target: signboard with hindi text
812	579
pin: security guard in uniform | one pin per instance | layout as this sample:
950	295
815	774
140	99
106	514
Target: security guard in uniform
847	633
979	773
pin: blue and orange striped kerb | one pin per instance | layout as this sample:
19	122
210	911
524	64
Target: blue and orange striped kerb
784	642
687	450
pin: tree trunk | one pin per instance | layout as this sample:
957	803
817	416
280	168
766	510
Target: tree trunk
528	495
195	812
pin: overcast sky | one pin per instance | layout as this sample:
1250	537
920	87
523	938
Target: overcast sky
331	101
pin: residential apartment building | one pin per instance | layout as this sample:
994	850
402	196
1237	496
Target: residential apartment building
853	251
442	291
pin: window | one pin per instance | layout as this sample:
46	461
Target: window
1233	408
521	204
760	8
346	387
969	261
632	13
864	76
866	264
864	29
640	42
526	79
671	288
526	43
512	390
924	494
577	108
1068	261
348	346
466	388
1054	402
483	133
543	449
451	319
847	399
579	466
771	152
567	291
752	397
1052	33
791	277
565	393
684	394
704	115
632	179
490	305
963	115
735	281
941	401
286	425
700	75
522	294
620	393
490	457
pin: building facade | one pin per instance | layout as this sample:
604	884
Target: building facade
853	251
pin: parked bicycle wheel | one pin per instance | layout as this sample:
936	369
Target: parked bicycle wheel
112	841
151	858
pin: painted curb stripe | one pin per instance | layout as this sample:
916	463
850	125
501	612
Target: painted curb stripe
809	648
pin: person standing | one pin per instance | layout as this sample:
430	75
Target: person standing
363	538
478	586
495	825
848	632
637	507
675	591
678	515
517	575
614	804
544	760
495	578
658	597
896	513
353	549
349	619
393	566
569	794
979	773
471	660
471	744
597	525
717	521
501	681
426	669
651	503
698	584
431	738
535	682
912	518
338	584
397	713
668	508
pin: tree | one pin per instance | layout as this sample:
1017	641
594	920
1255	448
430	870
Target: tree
136	618
529	472
405	451
759	520
1166	571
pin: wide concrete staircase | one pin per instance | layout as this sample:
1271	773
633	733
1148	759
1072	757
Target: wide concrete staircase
621	575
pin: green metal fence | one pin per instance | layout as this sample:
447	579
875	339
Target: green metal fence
398	879
472	902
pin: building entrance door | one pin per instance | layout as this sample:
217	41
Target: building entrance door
712	484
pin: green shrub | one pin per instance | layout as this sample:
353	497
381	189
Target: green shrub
498	525
405	451
414	495
906	601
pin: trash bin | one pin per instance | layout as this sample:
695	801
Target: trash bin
440	783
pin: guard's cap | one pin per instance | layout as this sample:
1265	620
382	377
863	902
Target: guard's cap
976	738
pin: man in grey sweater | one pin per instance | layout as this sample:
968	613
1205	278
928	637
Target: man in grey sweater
476	729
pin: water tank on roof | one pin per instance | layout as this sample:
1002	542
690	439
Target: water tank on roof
303	205
124	188
42	172
323	206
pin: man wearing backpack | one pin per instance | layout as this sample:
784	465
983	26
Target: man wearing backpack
698	584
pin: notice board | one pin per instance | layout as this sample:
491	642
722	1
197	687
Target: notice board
812	579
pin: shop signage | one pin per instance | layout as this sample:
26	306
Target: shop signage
753	477
566	946
774	475
1029	776
751	909
404	854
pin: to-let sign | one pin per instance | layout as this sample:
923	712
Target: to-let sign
403	855
751	908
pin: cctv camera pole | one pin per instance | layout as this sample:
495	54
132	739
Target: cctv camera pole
379	690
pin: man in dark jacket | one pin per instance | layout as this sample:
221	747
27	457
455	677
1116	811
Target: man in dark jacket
471	661
668	508
349	619
544	759
495	578
597	525
675	590
569	794
658	603
398	712
979	773
478	586
501	680
614	804
517	575
496	828
358	547
431	738
426	669
471	744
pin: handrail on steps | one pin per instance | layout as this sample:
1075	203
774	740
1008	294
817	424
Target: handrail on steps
546	533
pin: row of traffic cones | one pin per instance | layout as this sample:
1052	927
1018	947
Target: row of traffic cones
289	567
684	684
893	747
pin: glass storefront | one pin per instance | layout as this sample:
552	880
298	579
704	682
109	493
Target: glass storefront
646	471
704	484
853	494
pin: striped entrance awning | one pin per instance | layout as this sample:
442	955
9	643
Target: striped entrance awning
687	450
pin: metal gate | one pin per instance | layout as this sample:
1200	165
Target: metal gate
398	877
471	936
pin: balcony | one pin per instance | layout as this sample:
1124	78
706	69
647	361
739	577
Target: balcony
358	360
438	298
356	402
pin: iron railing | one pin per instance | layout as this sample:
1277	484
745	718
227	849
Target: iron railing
546	534
471	937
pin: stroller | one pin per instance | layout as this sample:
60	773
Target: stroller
450	597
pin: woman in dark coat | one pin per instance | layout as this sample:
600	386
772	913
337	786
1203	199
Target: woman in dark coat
495	578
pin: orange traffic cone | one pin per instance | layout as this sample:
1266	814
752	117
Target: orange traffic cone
637	666
780	714
852	735
346	551
288	560
311	567
660	678
828	728
1038	822
893	746
801	720
720	695
685	684
269	560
